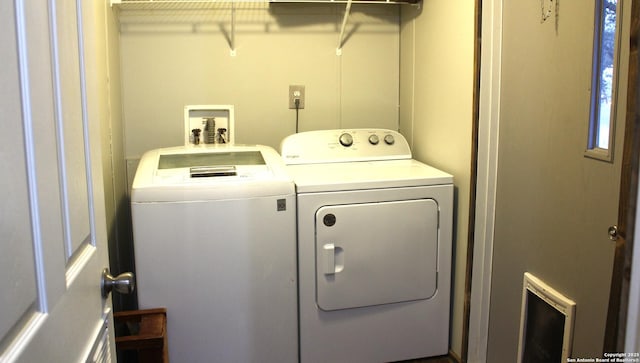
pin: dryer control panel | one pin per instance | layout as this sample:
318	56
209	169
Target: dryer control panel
344	145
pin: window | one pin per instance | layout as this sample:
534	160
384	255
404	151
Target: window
603	88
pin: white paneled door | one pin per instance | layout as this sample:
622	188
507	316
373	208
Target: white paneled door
52	225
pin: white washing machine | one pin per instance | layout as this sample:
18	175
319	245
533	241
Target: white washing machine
374	247
214	240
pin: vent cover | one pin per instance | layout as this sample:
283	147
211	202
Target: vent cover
546	323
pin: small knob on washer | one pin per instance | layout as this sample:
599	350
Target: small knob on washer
374	139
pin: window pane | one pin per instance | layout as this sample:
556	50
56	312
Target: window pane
607	49
603	74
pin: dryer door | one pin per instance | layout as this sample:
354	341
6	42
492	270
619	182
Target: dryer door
376	253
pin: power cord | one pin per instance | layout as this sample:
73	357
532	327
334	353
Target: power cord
297	103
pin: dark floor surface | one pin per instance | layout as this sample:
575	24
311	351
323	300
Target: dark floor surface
442	359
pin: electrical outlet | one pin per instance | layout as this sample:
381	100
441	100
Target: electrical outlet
296	92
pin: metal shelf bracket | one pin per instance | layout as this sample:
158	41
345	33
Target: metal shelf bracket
232	42
344	25
162	4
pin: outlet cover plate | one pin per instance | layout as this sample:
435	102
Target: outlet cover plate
296	92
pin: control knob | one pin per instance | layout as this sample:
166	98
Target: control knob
389	139
346	139
374	139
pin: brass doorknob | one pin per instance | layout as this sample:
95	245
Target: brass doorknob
613	233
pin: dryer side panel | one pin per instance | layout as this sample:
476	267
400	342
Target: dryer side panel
376	253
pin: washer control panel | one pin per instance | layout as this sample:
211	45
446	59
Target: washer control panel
325	146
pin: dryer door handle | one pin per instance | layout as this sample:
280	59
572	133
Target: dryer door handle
329	251
333	259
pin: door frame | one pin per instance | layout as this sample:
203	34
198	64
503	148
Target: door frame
619	299
486	124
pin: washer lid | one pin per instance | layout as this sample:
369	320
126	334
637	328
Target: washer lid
310	178
209	172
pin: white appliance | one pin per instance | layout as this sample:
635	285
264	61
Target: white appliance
214	240
374	247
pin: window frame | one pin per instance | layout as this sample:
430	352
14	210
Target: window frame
593	150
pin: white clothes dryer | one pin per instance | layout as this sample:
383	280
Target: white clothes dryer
214	241
374	247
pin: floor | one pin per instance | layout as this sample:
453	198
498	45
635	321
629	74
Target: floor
442	359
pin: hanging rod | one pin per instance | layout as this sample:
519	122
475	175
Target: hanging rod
390	2
151	2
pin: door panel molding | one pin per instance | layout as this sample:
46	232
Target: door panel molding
18	283
71	121
29	83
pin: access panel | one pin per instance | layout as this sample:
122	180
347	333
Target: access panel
376	253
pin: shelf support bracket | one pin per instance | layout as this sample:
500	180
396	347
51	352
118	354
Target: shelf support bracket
233	29
342	29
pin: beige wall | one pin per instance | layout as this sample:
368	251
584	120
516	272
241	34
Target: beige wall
553	204
179	57
113	159
436	95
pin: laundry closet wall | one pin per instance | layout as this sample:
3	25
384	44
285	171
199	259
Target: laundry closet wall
436	114
175	57
172	57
